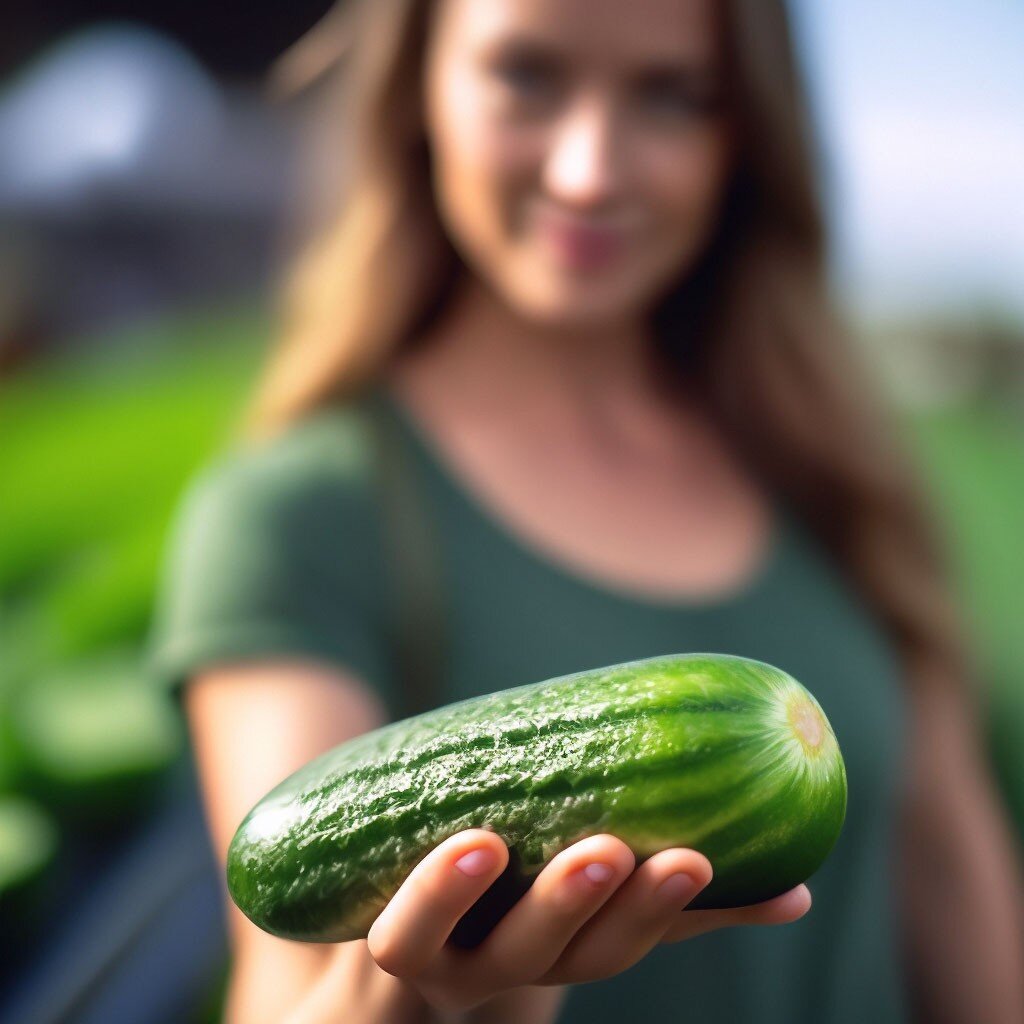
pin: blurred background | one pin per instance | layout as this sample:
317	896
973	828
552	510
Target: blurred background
146	171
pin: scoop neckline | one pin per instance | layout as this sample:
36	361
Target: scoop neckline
567	573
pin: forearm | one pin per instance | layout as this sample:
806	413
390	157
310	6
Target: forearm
261	991
534	1003
964	936
341	984
345	984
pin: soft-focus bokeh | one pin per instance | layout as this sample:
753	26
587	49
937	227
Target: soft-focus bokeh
144	184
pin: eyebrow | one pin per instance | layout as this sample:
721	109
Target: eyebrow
658	68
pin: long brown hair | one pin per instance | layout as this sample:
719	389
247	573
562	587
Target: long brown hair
752	326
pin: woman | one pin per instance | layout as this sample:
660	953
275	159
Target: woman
580	261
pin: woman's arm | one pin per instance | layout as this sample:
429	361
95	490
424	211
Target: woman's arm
961	875
252	726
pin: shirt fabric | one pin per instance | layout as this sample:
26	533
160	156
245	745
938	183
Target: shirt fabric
278	551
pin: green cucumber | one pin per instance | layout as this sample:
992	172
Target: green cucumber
725	755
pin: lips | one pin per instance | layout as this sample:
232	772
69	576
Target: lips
580	245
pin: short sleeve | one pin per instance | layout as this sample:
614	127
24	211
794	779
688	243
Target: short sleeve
271	554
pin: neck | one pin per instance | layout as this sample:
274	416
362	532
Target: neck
491	359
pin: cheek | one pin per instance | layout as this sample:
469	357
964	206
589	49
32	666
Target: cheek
479	169
686	184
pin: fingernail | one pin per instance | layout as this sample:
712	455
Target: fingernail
676	888
598	872
476	862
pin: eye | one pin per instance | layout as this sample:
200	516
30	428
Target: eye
674	97
527	78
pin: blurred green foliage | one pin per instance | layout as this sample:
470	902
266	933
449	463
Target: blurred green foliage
97	448
972	456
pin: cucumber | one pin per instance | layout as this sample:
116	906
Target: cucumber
722	754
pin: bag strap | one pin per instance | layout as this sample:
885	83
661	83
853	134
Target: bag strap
413	555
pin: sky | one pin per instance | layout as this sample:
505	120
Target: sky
921	109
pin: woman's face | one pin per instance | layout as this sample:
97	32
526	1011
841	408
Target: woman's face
579	147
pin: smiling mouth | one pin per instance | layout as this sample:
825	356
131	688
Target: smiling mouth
582	246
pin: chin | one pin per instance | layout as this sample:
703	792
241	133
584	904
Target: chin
591	306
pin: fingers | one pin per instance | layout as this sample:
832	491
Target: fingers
412	929
788	907
588	915
567	893
635	918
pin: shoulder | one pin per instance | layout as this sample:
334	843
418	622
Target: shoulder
275	549
300	507
317	471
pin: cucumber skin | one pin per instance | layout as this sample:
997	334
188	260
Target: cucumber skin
692	750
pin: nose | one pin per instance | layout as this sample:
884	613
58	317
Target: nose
581	166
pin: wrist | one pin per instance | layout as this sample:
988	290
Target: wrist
538	1004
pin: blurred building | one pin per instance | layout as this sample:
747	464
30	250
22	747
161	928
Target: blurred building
131	181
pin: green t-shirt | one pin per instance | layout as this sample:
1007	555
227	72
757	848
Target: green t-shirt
278	551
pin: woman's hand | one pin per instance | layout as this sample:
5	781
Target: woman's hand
588	915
